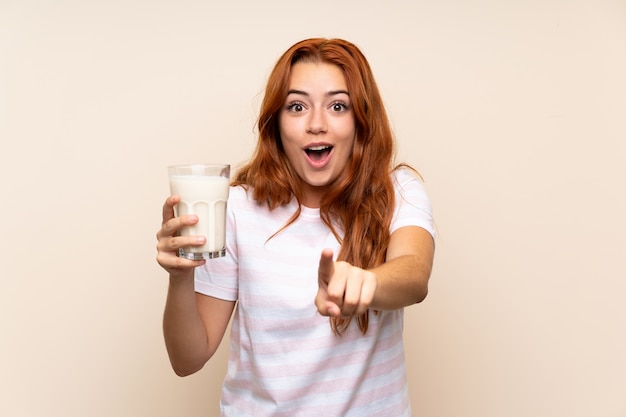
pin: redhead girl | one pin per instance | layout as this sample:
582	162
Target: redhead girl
327	242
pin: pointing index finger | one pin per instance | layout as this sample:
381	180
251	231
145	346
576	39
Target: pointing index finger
327	266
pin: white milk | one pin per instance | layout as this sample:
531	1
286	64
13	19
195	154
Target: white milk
206	197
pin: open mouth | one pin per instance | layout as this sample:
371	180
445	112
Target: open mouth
318	153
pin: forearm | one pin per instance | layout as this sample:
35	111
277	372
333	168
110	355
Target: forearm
185	335
401	282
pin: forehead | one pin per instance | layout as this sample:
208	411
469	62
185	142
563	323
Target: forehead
317	75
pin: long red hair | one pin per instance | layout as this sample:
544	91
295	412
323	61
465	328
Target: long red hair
361	199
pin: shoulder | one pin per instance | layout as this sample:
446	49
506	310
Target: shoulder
240	196
412	203
403	176
238	192
241	204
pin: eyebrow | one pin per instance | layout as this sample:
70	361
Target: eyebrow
330	93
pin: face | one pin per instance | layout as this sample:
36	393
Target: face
317	126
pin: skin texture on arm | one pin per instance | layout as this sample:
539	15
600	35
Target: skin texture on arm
403	278
193	324
346	290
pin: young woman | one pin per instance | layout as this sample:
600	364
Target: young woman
327	241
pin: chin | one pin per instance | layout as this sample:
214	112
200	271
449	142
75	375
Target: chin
319	180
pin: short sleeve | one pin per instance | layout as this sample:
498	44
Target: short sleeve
219	277
412	204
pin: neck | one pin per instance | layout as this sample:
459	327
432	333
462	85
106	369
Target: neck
312	196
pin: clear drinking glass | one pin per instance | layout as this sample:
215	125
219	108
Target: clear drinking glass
203	191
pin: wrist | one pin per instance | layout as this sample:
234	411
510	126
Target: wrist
182	278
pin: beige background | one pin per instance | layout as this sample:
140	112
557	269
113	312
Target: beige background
514	112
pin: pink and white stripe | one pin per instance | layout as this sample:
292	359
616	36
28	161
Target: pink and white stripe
284	359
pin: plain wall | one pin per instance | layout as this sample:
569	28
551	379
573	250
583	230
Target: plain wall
513	111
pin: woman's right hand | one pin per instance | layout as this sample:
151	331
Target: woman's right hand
169	242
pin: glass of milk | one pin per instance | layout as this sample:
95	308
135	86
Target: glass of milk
203	191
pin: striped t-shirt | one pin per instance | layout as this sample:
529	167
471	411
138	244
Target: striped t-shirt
284	360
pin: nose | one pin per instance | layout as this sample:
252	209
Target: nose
317	122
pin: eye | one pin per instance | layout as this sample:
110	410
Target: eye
339	106
295	107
